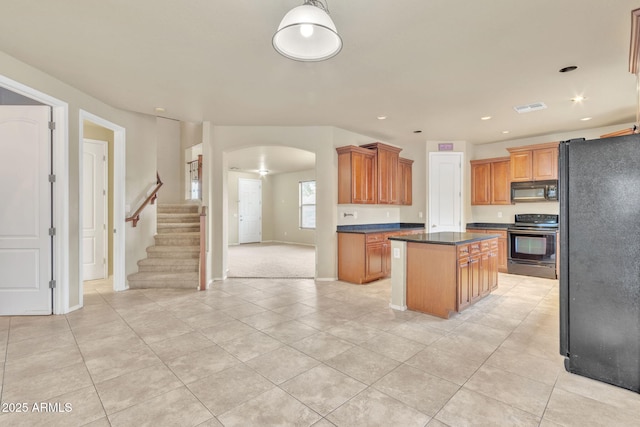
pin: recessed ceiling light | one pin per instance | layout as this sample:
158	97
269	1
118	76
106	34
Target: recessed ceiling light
263	172
160	110
485	118
505	131
417	131
567	69
585	119
578	98
382	117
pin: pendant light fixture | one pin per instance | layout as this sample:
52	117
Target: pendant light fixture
307	33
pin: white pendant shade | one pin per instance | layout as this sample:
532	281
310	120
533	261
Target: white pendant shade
307	33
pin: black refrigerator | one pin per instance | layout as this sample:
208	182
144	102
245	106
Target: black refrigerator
599	190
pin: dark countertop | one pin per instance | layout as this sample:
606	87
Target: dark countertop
489	225
444	238
379	228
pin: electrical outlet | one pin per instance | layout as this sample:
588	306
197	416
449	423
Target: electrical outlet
388	214
419	214
396	252
285	233
499	214
355	215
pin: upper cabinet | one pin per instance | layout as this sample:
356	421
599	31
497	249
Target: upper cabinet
388	178
356	175
534	162
373	174
490	181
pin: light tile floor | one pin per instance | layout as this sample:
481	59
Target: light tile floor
293	352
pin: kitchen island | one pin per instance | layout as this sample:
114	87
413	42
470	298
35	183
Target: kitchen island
442	273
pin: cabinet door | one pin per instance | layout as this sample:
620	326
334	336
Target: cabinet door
502	256
474	276
485	269
464	294
521	166
481	184
406	190
493	268
388	184
386	258
500	184
374	260
545	164
363	172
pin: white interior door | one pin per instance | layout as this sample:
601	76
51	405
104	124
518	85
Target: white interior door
249	210
25	216
445	192
94	212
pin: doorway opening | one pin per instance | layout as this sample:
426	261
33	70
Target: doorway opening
97	128
268	237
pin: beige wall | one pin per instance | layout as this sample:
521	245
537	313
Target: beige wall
169	165
140	162
286	207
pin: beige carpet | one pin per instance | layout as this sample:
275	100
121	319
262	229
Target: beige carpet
272	260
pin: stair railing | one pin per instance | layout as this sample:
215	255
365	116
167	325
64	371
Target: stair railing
151	198
203	250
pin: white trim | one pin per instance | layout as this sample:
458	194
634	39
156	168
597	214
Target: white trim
60	159
398	307
119	168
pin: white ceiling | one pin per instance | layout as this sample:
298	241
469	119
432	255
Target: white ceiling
274	159
430	65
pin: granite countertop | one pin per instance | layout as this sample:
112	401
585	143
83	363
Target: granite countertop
379	228
444	238
495	225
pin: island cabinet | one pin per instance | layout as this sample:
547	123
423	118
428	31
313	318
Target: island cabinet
445	275
388	178
365	257
357	175
534	162
490	183
501	254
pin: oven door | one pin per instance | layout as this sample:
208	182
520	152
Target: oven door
532	246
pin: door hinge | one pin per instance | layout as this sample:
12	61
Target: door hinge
104	261
52	231
52	178
52	125
104	192
52	284
104	158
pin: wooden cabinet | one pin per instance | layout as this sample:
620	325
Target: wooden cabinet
374	174
500	247
357	175
388	178
406	189
441	279
477	273
490	184
363	258
534	162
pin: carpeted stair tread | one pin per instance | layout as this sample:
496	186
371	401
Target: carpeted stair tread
164	218
173	251
178	227
177	239
178	208
169	265
163	280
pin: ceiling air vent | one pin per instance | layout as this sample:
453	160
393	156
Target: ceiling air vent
530	107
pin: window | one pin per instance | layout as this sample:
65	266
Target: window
307	204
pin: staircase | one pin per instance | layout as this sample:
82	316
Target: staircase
173	262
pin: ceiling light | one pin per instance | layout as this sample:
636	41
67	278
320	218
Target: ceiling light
505	131
417	131
307	33
585	119
578	98
485	118
263	172
382	117
160	110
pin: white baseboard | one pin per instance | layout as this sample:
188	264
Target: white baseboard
326	279
398	307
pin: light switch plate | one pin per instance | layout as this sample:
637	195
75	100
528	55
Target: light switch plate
396	253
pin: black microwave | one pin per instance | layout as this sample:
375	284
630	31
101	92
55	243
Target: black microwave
534	191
